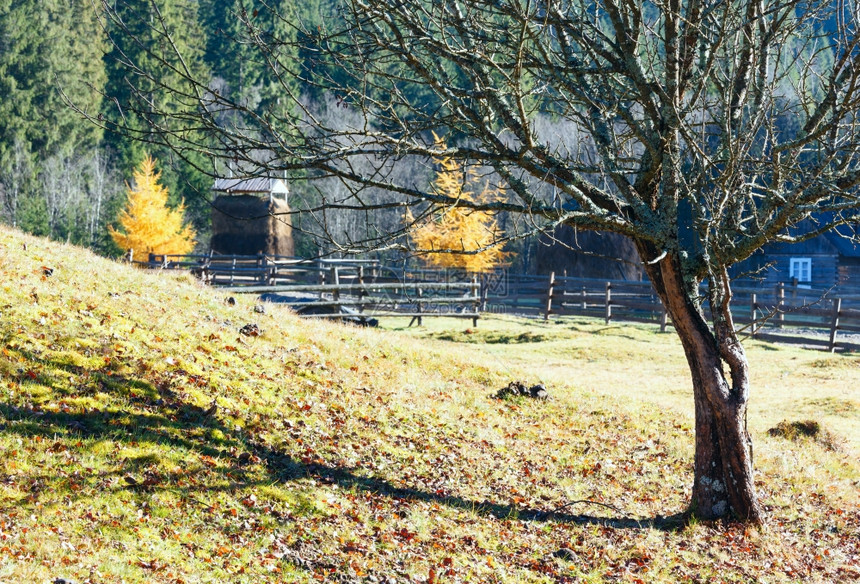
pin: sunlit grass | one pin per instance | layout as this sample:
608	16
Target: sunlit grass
145	440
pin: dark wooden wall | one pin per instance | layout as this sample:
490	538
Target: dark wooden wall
771	265
849	272
588	254
248	225
824	269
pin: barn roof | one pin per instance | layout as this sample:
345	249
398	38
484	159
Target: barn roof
253	185
841	239
837	241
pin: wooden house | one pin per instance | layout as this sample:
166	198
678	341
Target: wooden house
822	262
251	216
588	254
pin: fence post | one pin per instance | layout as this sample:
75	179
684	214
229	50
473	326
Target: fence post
515	294
207	276
549	295
360	289
584	299
420	307
335	279
664	318
261	264
834	324
780	302
130	256
151	261
321	280
484	286
753	314
477	301
608	302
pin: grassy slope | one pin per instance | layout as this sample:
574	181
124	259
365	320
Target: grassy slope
345	454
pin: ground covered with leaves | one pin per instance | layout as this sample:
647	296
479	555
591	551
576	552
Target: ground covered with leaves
146	439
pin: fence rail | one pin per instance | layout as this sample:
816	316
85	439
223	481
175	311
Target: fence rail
757	312
261	269
410	299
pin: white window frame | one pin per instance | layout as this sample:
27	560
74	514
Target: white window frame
800	269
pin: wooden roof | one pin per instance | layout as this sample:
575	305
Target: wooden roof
251	186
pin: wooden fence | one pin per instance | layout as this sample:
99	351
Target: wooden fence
339	288
757	312
362	299
261	269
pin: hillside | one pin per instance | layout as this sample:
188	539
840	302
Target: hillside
145	439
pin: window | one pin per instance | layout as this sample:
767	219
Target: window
800	269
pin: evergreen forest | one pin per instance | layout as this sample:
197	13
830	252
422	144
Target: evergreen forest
63	63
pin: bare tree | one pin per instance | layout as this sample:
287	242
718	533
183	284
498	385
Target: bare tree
103	186
341	217
704	130
75	189
16	174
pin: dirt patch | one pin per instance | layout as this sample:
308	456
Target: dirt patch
519	388
807	429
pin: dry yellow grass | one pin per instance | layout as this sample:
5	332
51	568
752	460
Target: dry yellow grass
352	455
637	363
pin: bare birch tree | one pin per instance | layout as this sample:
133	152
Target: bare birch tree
15	178
75	189
705	129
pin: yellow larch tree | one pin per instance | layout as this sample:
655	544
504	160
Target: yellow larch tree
458	229
148	225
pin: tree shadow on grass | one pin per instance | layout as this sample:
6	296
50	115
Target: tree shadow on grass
159	416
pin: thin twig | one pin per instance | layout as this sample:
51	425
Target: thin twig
589	501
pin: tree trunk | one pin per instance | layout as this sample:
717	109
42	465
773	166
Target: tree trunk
723	484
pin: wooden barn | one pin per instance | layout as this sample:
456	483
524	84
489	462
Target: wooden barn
251	216
828	260
825	261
